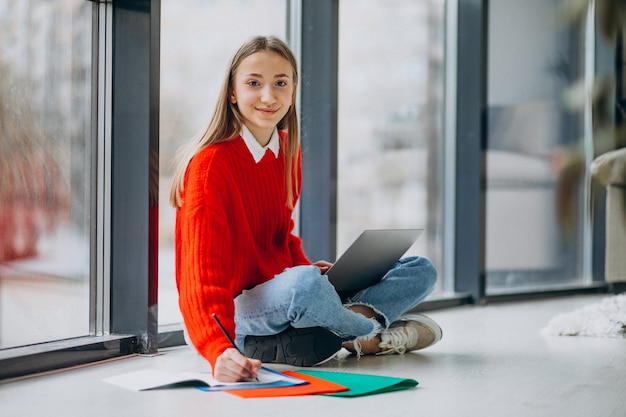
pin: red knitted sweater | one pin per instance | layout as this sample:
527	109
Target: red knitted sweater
233	231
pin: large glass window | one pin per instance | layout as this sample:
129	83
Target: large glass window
533	59
390	103
45	170
198	38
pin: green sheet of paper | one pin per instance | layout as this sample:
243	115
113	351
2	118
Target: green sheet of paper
362	384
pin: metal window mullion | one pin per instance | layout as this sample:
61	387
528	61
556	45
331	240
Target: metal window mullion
101	239
134	134
449	164
471	116
589	78
318	202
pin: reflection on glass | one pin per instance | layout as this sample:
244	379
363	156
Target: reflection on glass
196	44
532	60
390	118
45	136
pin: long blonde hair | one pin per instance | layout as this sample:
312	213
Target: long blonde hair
227	122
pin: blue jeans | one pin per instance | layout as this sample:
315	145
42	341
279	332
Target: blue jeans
302	297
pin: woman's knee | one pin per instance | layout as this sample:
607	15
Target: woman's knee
424	271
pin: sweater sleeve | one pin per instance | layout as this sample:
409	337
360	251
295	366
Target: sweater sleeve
203	264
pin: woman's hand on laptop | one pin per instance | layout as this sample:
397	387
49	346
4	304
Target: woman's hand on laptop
323	266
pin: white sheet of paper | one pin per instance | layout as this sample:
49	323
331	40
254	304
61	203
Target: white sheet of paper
152	378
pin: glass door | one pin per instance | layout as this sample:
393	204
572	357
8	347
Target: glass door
390	119
532	59
45	170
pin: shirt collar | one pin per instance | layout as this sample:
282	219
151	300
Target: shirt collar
256	149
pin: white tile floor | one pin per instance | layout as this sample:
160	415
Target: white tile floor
492	361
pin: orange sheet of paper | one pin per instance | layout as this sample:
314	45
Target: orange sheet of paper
315	386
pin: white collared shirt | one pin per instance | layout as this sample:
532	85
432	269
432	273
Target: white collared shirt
256	149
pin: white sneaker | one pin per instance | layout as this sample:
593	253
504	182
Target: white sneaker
409	332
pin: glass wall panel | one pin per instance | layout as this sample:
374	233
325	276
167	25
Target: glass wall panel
45	171
533	58
198	38
390	120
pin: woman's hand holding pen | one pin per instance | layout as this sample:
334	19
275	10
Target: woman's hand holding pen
232	366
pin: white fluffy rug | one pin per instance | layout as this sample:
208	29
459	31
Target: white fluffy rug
606	318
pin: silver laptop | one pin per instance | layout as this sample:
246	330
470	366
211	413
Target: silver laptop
369	258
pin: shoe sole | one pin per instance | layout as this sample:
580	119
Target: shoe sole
297	347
